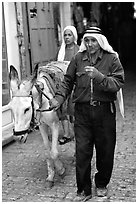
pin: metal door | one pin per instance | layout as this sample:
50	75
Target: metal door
42	33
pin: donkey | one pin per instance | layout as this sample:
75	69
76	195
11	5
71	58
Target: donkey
30	99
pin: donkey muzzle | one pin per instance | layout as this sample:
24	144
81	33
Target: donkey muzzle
20	136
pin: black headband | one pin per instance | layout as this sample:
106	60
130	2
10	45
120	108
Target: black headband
93	30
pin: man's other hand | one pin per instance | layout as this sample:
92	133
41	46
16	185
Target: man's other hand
54	104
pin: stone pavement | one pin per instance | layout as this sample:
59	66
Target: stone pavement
24	166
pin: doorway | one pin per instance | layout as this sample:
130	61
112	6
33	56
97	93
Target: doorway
117	21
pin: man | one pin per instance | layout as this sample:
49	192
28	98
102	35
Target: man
98	75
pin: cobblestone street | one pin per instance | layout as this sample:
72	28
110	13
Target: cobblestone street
24	166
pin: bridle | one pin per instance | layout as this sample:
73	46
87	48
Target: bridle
23	132
33	122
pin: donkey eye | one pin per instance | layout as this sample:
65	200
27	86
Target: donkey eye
27	109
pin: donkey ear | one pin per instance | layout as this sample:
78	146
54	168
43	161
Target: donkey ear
35	72
13	75
14	79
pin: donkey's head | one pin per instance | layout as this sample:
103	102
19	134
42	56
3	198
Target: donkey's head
21	103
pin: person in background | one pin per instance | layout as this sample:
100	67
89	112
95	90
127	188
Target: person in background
67	50
98	75
78	17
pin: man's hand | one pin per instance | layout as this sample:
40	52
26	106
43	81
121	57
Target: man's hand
54	104
91	71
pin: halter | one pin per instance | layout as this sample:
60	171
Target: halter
32	123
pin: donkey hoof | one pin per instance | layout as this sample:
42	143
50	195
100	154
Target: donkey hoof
49	184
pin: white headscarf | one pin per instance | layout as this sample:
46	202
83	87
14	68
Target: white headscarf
61	53
102	40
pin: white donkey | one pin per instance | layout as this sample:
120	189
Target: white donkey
27	97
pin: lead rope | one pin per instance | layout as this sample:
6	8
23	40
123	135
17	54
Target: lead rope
91	80
91	99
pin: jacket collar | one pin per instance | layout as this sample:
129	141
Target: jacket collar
85	56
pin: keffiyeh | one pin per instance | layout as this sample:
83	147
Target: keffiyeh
102	40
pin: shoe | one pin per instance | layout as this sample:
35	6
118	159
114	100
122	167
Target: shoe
64	140
101	192
88	197
81	197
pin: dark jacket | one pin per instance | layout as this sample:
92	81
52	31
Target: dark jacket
107	82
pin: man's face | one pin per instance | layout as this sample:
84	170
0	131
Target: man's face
68	37
91	44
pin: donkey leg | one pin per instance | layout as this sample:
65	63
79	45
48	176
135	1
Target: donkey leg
54	149
49	160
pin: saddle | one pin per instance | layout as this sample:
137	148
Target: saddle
53	73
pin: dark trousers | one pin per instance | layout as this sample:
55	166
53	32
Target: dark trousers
94	125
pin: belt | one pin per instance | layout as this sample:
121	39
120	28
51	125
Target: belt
98	103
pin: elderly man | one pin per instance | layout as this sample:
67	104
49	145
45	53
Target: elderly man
98	75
